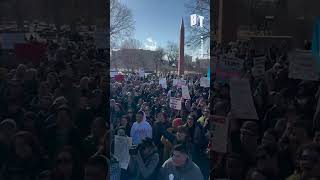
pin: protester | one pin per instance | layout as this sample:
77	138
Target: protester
144	164
180	166
142	104
50	103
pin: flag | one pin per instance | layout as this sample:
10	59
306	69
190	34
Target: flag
316	41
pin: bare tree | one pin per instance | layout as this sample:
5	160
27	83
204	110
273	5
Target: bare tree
172	52
199	7
131	44
121	21
159	58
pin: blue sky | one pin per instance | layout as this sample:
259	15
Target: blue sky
158	21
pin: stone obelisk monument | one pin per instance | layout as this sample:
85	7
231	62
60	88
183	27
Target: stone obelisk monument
181	50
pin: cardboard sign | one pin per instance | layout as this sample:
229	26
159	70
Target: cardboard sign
242	105
175	103
228	68
258	69
122	145
101	40
9	40
220	134
303	66
185	92
163	83
204	82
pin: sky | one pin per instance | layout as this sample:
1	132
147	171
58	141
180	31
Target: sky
158	21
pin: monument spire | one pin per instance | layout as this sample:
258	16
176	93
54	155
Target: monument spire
181	50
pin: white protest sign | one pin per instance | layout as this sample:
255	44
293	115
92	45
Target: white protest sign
141	73
303	66
163	83
175	82
8	40
101	40
242	105
175	103
228	68
220	134
258	66
113	73
185	92
122	145
204	82
181	83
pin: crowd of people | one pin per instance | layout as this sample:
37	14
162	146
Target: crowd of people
53	112
167	142
283	142
57	121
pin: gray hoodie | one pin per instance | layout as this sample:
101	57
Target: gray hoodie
188	172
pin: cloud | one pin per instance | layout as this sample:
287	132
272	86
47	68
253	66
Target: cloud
150	44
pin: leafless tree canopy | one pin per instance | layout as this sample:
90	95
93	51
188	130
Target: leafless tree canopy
193	34
131	44
159	57
121	23
172	52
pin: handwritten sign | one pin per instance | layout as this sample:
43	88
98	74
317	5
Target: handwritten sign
242	105
220	134
122	145
179	82
175	103
185	92
258	69
204	82
227	68
303	66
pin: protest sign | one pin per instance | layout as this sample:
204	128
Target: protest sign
175	103
141	73
101	40
242	105
258	69
9	40
175	82
122	145
303	65
227	68
185	92
179	82
220	134
163	82
204	82
113	73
